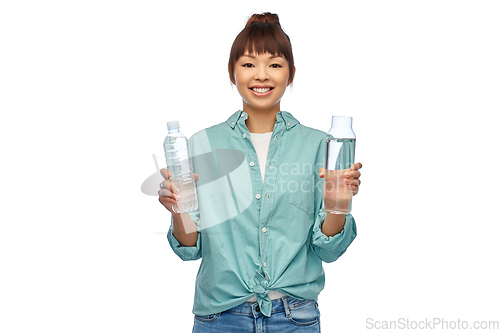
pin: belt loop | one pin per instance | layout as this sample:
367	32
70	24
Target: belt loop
285	304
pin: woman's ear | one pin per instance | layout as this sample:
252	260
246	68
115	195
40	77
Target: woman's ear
291	76
231	77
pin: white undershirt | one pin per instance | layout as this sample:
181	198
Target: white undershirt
261	142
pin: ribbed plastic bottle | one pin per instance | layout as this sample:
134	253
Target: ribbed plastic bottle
179	165
340	147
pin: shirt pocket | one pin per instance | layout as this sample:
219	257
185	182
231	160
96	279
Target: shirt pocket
301	188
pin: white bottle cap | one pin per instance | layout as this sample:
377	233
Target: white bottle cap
173	124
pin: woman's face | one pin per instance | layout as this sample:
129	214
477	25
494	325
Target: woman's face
261	80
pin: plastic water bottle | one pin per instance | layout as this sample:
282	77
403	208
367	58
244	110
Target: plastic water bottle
179	165
340	147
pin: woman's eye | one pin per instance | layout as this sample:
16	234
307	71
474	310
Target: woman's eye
247	65
275	65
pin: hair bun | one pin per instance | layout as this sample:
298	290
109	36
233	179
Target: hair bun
264	18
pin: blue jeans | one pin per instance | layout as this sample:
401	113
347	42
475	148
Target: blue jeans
288	315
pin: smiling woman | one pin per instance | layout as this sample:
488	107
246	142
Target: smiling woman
261	80
262	34
259	228
261	66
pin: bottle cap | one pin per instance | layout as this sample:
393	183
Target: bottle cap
173	124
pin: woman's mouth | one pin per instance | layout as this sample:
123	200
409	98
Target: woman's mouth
261	91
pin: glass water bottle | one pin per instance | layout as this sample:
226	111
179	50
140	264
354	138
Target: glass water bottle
340	146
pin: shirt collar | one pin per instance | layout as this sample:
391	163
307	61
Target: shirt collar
290	121
233	120
287	117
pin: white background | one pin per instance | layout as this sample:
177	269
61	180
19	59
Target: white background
86	89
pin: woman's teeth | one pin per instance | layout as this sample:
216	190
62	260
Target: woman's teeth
261	90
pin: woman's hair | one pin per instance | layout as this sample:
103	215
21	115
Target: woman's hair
262	34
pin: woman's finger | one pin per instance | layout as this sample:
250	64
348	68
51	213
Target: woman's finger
353	182
169	186
321	172
356	166
353	185
173	188
165	192
353	174
167	200
165	173
354	190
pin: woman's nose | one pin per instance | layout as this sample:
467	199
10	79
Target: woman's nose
261	74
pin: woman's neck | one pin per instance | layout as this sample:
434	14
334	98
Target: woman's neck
259	120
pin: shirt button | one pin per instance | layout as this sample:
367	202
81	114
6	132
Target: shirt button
232	124
288	124
271	165
276	136
244	135
242	114
265	265
257	196
264	230
252	163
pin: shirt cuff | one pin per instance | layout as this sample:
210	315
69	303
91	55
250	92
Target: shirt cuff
330	248
184	252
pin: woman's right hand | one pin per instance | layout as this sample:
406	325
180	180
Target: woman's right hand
169	193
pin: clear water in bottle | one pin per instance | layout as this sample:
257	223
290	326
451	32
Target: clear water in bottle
340	153
340	146
340	157
179	165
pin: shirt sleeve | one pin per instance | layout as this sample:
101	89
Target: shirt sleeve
328	248
185	252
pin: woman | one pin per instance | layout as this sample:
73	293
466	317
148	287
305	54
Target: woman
260	230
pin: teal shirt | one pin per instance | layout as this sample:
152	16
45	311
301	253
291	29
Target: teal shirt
254	237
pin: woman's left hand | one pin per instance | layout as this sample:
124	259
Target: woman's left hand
352	177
